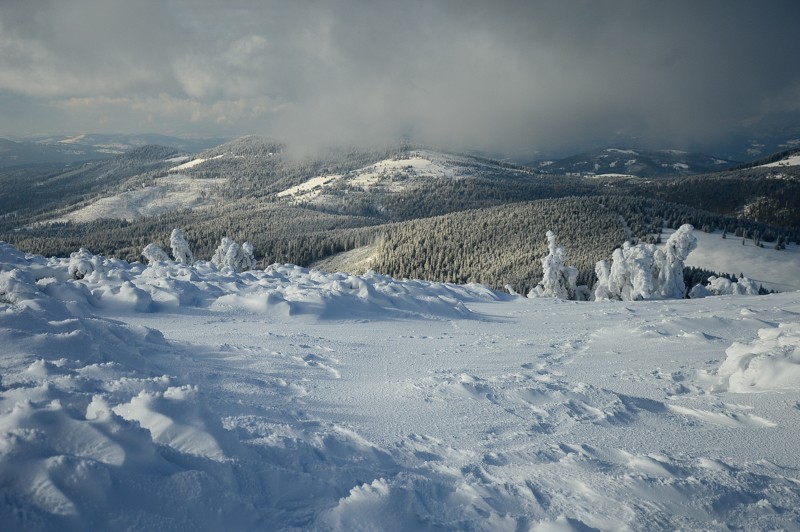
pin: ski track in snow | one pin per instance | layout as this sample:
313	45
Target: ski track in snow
191	399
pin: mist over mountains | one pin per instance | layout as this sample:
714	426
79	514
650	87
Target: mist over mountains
67	149
455	216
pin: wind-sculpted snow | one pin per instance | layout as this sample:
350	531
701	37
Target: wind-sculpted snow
176	397
771	362
281	290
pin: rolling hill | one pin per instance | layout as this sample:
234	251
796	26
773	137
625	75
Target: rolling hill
411	211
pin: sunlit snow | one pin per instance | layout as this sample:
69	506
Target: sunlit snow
395	175
169	193
188	398
774	269
192	163
309	189
792	160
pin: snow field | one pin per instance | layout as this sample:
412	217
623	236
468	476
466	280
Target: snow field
192	163
309	189
792	160
774	269
191	398
170	193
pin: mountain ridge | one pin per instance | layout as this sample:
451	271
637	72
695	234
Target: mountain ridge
302	210
634	162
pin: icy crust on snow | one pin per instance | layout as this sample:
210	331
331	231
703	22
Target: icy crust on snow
173	397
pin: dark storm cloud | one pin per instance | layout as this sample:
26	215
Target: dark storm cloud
492	75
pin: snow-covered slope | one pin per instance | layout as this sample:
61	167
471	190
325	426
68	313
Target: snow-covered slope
170	193
185	398
792	160
192	163
88	146
774	269
386	176
359	260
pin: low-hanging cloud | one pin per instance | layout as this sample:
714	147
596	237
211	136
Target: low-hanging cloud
507	76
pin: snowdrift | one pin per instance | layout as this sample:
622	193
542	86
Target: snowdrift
772	362
192	398
91	281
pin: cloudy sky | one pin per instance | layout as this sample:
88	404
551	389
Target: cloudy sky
499	75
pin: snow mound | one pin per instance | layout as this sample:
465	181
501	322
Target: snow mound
290	290
772	362
93	281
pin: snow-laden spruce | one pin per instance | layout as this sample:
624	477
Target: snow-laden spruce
228	254
82	263
558	279
181	251
670	262
153	253
231	255
180	248
644	271
636	272
721	286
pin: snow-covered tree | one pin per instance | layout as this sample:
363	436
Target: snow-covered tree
248	257
232	255
629	277
180	248
558	279
721	286
81	264
618	276
670	262
219	258
640	268
644	272
153	253
602	290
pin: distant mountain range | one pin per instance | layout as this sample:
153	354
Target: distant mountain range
629	162
78	148
759	137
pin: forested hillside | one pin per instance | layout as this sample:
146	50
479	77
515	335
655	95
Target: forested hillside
39	192
766	195
425	213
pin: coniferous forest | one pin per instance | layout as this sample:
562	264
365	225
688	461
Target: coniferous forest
473	219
